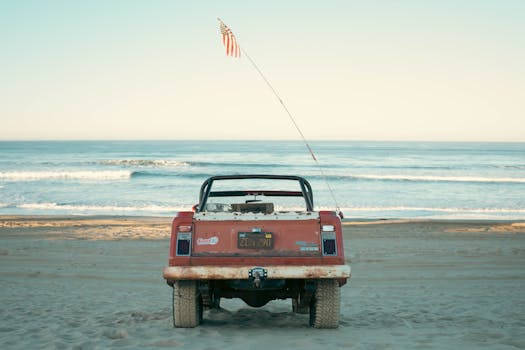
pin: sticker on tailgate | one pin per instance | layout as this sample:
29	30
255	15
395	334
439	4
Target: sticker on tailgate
208	241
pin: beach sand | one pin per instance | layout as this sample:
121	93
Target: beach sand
96	282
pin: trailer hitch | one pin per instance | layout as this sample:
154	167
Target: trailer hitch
257	274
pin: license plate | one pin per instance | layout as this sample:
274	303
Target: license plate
255	240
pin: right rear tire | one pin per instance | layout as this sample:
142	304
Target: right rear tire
326	304
187	304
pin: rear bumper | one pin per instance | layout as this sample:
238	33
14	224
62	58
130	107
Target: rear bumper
243	272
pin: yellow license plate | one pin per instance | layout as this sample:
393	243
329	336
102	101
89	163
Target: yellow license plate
255	240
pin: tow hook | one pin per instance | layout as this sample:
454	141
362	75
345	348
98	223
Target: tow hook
257	274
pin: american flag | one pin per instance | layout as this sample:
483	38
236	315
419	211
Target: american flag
228	39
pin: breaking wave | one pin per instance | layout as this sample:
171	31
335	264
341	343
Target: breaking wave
65	175
102	208
443	213
155	163
380	211
440	210
432	178
108	175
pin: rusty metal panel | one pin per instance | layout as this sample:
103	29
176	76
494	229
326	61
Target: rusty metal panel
290	238
242	272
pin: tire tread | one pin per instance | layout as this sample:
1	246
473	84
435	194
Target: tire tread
186	304
326	305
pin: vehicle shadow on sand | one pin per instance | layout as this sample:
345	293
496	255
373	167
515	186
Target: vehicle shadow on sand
249	318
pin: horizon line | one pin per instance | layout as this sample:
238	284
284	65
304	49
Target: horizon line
257	140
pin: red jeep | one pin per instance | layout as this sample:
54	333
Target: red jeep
258	238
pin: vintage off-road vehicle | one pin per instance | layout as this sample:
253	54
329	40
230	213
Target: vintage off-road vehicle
258	238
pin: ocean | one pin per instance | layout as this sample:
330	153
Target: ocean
370	180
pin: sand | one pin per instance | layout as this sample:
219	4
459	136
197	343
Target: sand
96	282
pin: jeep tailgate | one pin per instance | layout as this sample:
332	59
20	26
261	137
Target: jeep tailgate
257	238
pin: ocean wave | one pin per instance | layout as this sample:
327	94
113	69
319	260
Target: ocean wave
109	175
150	208
439	210
164	174
155	163
65	175
247	164
433	178
101	208
136	174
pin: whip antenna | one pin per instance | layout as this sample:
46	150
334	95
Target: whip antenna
233	49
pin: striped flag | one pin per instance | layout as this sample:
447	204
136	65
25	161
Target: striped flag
228	39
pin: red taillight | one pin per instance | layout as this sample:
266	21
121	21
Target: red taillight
329	247
183	240
329	241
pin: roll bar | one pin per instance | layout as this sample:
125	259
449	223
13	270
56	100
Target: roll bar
306	189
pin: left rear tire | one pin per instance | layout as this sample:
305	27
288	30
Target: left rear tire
187	304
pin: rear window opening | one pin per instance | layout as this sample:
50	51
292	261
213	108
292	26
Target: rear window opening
254	204
258	194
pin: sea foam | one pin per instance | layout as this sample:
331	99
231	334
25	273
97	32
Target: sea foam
432	178
156	163
102	208
65	175
430	209
150	208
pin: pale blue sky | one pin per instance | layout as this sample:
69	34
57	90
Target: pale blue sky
353	70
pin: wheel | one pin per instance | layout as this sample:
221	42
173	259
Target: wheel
299	309
325	305
187	304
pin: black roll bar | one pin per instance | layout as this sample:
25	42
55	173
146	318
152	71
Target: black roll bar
306	189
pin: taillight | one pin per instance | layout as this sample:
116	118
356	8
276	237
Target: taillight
329	240
183	240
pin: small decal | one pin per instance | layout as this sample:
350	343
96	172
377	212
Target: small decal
309	249
208	241
306	244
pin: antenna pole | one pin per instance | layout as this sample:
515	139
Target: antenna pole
296	127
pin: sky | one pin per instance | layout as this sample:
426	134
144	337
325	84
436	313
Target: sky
347	70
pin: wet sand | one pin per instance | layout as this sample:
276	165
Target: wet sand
96	282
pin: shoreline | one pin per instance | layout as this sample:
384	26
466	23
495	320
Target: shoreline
98	227
345	221
117	227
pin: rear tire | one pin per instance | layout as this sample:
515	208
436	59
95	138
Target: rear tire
187	304
326	304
